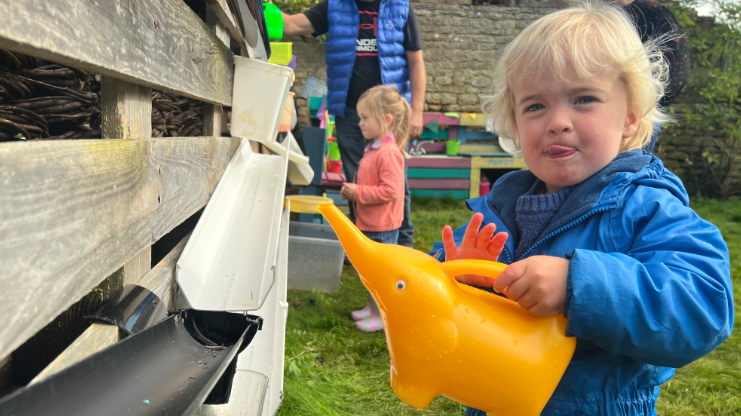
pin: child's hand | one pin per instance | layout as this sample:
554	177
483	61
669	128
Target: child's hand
475	245
348	191
538	283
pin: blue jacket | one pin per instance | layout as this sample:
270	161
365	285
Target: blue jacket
648	288
339	53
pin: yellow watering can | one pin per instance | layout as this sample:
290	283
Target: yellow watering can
449	339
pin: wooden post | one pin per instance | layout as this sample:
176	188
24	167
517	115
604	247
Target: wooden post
126	111
475	178
213	116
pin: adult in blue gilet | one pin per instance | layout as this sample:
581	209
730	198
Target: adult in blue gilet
369	43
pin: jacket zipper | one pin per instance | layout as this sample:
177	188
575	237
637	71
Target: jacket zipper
566	227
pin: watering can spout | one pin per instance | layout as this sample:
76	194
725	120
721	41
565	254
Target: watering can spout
355	243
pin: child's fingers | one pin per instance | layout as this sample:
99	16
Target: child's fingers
496	245
528	300
509	275
449	243
472	230
475	280
517	289
484	237
538	310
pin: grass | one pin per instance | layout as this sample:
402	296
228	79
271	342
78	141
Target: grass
333	369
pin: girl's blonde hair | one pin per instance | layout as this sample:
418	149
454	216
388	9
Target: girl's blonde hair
597	40
382	100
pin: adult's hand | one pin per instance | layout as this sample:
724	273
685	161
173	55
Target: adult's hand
415	129
418	80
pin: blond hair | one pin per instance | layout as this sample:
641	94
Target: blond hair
597	40
382	100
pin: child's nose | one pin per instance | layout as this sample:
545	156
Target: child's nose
559	122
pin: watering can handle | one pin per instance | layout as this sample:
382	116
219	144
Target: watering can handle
481	267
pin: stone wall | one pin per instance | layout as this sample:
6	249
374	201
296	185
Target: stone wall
462	42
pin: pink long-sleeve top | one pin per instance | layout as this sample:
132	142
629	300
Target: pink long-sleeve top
380	192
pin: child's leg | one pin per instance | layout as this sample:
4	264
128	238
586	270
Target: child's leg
371	306
364	313
373	321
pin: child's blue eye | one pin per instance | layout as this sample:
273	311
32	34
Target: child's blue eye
584	100
535	107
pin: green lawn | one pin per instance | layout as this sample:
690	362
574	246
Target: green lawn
333	369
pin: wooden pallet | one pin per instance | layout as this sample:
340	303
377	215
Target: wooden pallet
74	213
456	194
478	163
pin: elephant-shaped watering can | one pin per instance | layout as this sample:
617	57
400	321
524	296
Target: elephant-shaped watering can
449	339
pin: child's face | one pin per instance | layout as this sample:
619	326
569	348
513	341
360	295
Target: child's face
369	125
569	128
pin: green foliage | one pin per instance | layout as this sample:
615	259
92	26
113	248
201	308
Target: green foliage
716	60
712	384
295	6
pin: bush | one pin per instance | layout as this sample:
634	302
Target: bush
295	6
716	73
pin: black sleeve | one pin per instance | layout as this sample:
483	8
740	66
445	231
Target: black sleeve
657	22
412	37
677	54
317	16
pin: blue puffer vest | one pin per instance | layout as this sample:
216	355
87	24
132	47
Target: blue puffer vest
341	46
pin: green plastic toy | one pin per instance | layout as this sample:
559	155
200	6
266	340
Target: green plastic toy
274	20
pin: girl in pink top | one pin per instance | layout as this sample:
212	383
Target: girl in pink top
378	192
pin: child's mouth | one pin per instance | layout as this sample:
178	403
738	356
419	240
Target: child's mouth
555	151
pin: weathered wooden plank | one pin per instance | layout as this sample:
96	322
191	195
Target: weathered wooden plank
161	279
497	163
156	43
441	118
96	338
125	109
475	183
72	212
138	266
473	119
6	375
492	149
456	194
439	183
226	18
439	162
430	173
212	113
126	112
100	336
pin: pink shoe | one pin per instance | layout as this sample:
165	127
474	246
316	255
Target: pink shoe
372	324
364	313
